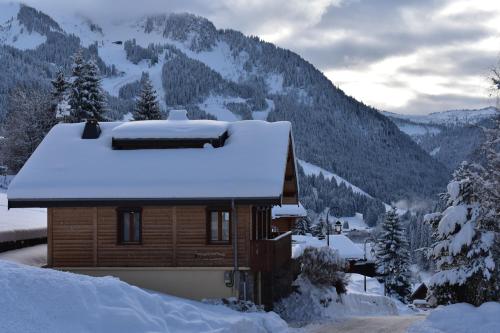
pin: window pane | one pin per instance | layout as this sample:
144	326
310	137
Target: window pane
225	226
214	226
126	227
137	226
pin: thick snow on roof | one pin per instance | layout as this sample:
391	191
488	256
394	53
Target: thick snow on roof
251	164
289	210
347	248
177	127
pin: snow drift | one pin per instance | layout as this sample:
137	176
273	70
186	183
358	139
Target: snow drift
461	318
44	300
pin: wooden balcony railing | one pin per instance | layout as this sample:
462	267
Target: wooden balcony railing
270	254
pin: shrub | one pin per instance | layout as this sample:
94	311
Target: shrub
323	267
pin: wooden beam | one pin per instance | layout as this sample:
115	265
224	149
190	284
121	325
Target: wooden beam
174	236
94	237
50	238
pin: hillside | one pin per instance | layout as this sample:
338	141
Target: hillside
449	136
226	75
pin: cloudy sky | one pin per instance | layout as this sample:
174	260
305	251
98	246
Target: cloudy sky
407	56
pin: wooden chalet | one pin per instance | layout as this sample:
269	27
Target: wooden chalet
285	216
179	206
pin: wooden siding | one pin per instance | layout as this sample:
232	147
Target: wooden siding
171	236
284	223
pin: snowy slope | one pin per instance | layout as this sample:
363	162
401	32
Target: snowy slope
21	223
448	118
311	169
14	33
45	300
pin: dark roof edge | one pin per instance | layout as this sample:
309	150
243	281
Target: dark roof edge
46	203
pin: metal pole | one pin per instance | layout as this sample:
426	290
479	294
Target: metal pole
327	228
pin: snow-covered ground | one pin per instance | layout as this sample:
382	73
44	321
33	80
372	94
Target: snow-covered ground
31	256
355	222
21	223
45	300
461	318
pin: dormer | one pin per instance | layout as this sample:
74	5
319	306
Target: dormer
174	133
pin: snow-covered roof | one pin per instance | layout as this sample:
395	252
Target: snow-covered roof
250	164
288	210
346	248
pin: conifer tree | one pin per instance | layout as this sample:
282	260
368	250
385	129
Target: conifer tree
77	94
86	98
147	106
302	226
392	258
59	93
463	250
95	104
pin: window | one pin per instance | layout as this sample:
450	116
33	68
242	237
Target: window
219	226
129	225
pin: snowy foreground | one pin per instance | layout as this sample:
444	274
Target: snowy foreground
461	318
44	300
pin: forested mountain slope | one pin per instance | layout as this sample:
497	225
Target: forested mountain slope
226	75
449	136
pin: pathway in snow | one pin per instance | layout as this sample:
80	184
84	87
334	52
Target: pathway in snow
382	324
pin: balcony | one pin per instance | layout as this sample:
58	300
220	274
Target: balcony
267	255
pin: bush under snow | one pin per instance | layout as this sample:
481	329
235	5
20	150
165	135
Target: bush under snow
45	300
323	267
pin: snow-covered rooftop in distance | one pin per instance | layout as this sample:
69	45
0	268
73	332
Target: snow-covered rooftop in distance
288	210
178	126
251	164
346	247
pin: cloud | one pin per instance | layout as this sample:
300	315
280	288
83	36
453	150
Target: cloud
405	56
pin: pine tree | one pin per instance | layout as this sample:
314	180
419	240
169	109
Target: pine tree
302	226
147	107
392	258
60	103
77	94
86	98
463	248
95	104
319	229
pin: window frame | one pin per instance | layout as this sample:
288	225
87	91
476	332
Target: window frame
220	211
120	211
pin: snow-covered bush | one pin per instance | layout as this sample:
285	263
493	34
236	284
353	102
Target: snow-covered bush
324	267
236	304
302	226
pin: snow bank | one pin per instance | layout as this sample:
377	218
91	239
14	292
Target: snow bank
313	304
44	300
21	223
32	255
346	248
461	318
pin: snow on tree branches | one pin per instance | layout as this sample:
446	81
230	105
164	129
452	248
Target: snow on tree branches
392	257
464	241
86	96
147	107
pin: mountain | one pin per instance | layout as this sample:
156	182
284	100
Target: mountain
226	75
449	136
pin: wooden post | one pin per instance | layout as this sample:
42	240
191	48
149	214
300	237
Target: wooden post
49	237
174	236
94	236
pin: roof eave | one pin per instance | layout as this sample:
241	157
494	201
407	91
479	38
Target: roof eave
100	202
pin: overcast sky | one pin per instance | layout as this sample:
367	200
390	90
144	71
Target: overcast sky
407	56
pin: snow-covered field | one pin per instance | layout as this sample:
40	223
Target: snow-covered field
21	223
45	300
461	318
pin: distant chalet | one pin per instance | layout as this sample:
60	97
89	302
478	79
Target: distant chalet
180	206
